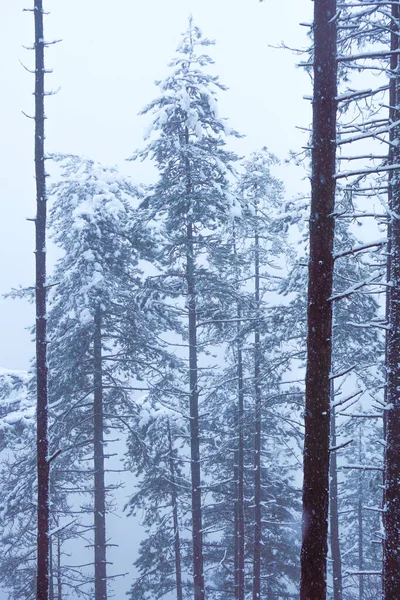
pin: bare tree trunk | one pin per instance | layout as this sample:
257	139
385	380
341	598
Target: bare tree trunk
43	467
360	522
59	579
174	499
51	571
257	430
320	277
239	479
194	424
391	544
100	560
197	528
334	513
239	541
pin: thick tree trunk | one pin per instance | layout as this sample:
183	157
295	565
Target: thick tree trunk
43	467
391	544
198	574
174	500
257	430
320	276
334	514
100	560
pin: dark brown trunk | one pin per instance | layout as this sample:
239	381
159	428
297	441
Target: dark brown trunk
257	430
334	514
174	500
43	470
100	560
391	544
319	338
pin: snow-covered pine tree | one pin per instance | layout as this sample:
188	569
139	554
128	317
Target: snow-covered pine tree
163	497
260	233
265	227
191	201
100	337
357	350
17	484
360	501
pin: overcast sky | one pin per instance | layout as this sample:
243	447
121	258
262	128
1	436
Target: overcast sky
105	67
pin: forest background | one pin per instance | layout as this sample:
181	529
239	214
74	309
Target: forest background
105	68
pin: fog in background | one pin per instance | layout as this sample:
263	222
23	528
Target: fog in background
105	67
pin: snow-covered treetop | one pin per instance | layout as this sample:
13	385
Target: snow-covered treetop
257	184
16	406
93	223
187	141
189	92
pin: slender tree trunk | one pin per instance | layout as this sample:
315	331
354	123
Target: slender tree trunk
51	571
194	423
43	467
195	470
391	544
334	513
239	541
59	579
100	560
320	277
360	522
239	478
174	500
257	430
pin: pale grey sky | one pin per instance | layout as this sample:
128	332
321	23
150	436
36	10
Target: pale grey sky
106	65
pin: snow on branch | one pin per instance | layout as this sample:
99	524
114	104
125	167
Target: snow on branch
344	400
344	174
378	243
340	446
359	94
356	287
361	468
381	54
341	373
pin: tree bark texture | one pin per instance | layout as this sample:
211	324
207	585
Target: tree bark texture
334	514
43	467
174	500
320	277
100	560
391	544
257	430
